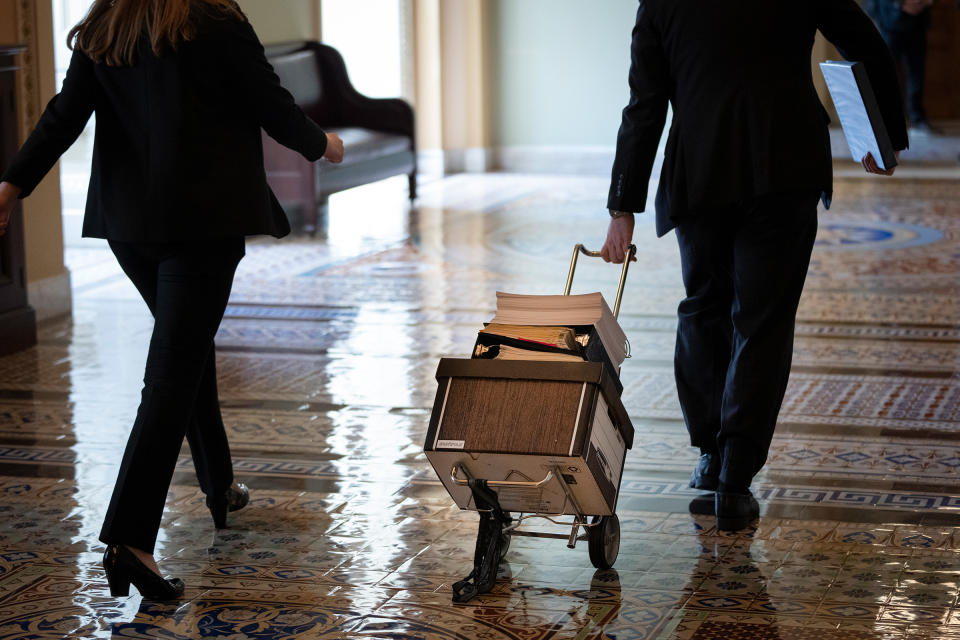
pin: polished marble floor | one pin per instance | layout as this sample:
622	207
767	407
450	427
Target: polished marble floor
327	356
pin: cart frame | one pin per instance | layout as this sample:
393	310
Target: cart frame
497	526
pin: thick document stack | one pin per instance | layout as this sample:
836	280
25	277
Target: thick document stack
586	310
859	112
527	342
554	329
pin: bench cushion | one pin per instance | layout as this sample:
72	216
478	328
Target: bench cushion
298	73
363	145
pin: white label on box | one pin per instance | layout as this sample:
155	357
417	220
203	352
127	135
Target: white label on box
450	444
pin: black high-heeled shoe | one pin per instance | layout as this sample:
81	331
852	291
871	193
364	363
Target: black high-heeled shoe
238	495
123	569
234	498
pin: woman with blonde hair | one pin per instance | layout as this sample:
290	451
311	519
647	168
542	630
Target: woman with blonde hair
181	89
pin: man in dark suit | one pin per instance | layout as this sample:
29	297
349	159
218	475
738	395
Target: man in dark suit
747	159
904	25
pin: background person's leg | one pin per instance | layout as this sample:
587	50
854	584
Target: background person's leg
914	52
771	256
193	285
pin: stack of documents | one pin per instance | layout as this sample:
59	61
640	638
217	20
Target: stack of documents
561	337
528	342
554	329
586	310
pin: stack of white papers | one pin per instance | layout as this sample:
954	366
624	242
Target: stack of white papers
569	311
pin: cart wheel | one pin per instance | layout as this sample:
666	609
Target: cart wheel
504	545
604	541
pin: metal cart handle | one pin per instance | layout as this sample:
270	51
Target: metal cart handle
502	483
577	250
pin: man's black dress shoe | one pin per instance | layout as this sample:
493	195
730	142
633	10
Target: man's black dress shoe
123	569
707	474
922	128
735	511
703	505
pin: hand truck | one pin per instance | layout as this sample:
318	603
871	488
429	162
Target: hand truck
497	526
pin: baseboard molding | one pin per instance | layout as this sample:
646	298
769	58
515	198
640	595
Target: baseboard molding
51	297
472	160
562	160
437	162
430	163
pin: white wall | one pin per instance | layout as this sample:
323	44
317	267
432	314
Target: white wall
282	20
558	70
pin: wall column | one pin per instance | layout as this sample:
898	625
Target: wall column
48	280
451	89
317	15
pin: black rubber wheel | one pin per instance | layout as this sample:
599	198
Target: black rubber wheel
604	541
504	545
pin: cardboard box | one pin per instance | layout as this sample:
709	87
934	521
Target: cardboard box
519	421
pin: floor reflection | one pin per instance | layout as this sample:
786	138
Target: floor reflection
327	358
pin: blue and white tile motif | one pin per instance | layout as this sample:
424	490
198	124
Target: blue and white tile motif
326	360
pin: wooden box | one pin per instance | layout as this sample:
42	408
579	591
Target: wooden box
518	420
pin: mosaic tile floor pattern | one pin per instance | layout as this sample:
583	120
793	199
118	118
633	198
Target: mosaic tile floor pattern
326	361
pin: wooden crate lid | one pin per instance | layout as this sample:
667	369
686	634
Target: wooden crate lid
589	372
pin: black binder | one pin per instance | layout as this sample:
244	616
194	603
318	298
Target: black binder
593	352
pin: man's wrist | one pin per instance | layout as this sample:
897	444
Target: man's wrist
620	214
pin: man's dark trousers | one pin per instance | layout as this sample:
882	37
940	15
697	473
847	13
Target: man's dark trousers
910	47
743	270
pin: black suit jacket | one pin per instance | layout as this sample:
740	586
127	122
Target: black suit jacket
890	18
178	151
746	117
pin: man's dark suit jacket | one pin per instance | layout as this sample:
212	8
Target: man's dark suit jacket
890	18
746	117
178	151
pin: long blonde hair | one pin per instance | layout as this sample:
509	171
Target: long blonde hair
110	30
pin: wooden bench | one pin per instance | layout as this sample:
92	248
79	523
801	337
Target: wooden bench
378	134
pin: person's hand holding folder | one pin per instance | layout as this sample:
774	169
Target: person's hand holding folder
871	165
860	116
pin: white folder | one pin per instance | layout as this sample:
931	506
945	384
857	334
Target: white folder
859	113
